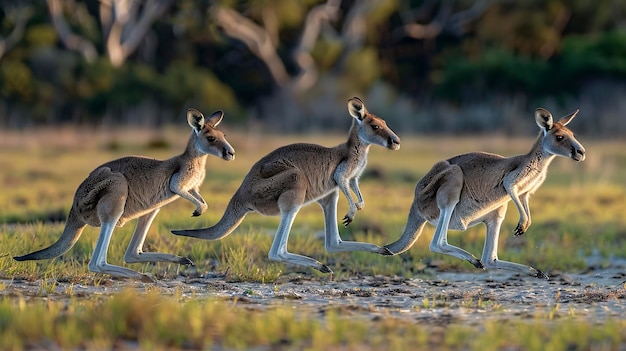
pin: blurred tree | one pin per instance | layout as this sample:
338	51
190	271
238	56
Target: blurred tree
263	40
334	40
123	23
91	61
14	16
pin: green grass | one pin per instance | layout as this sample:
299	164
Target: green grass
578	212
149	320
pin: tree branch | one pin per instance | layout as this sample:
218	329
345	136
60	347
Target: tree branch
126	31
70	40
315	19
20	17
255	38
459	20
445	20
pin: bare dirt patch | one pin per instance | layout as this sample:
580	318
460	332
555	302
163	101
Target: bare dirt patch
441	298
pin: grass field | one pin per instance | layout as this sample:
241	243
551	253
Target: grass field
578	213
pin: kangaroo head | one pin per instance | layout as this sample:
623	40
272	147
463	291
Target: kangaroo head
372	129
557	138
209	139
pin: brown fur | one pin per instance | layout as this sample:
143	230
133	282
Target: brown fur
298	174
473	188
137	187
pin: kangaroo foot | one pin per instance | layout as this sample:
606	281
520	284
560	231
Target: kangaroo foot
186	261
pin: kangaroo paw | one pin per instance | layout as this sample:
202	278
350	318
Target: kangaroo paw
519	231
347	220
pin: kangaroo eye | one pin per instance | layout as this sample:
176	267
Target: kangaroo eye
211	138
375	127
559	138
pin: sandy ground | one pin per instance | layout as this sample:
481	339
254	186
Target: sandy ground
437	298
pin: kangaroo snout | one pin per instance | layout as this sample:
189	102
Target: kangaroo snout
393	143
228	155
578	154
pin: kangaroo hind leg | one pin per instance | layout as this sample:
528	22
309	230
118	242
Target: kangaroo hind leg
278	251
333	241
447	196
490	249
135	253
110	208
289	203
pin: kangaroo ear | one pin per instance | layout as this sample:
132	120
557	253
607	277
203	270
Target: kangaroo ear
543	118
195	119
215	118
356	108
565	120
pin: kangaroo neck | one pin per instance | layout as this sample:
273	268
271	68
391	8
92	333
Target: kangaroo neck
191	153
538	158
357	147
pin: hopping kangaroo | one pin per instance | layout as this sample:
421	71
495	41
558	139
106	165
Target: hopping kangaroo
472	188
137	187
295	175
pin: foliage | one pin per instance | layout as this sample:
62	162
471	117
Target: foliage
494	70
536	50
585	57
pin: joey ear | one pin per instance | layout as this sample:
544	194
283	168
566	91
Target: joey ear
215	118
356	108
195	119
543	118
565	120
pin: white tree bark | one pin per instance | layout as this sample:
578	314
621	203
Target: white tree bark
129	26
125	24
20	16
255	38
318	17
263	44
69	39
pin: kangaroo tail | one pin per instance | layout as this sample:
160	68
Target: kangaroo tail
232	218
414	225
73	228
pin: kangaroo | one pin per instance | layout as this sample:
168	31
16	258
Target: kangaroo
295	175
137	187
468	189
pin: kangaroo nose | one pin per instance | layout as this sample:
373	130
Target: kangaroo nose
578	154
393	143
229	154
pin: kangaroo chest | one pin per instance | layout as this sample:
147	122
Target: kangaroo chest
525	180
359	167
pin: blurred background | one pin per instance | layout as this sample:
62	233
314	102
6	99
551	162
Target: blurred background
427	67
